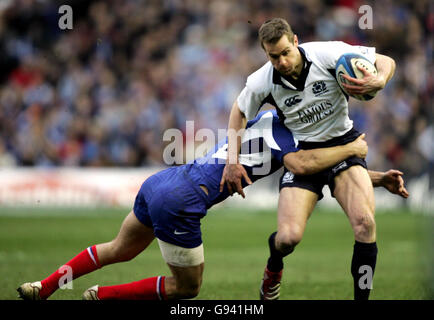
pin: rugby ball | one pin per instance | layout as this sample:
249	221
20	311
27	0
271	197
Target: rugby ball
347	64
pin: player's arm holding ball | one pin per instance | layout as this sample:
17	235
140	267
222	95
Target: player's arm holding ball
371	83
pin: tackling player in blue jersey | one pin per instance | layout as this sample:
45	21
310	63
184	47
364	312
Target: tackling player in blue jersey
171	203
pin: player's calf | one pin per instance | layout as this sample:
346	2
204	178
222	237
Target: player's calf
362	268
270	284
364	228
187	291
116	251
281	244
145	289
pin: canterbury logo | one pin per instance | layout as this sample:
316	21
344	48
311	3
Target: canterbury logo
292	101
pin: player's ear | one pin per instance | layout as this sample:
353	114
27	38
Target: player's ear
295	40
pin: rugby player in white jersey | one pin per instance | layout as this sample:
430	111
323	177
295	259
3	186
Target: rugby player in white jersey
299	80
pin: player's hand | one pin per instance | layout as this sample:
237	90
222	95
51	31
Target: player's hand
368	84
232	175
392	180
360	146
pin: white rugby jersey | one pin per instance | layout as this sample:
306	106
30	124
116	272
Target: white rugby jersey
314	107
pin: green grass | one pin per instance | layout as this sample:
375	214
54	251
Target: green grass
35	243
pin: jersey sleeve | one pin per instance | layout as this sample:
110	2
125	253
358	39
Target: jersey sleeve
285	140
254	94
327	53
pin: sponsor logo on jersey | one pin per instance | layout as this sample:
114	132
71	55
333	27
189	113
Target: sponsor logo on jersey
316	112
292	101
288	177
319	87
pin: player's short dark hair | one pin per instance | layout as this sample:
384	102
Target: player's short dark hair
272	30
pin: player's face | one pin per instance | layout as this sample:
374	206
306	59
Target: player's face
285	56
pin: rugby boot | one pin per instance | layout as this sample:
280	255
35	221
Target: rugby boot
30	290
270	285
91	293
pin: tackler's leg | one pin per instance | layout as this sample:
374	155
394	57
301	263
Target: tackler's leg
132	239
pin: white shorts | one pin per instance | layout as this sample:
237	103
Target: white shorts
181	257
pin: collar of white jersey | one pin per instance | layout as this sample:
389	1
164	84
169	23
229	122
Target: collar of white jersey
294	85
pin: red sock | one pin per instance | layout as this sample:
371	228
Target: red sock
146	289
83	263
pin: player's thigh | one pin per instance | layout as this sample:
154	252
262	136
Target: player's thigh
133	235
355	193
294	209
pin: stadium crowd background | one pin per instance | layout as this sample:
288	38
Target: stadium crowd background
103	93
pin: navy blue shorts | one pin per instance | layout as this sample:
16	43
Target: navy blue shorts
316	182
171	204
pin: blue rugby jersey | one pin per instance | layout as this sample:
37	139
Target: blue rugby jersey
264	143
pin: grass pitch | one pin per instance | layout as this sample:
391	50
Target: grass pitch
34	243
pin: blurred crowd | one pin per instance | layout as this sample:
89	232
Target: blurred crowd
103	93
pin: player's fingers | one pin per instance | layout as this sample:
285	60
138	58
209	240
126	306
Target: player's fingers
364	71
399	173
352	88
240	189
247	178
396	174
354	85
230	191
402	190
353	80
222	184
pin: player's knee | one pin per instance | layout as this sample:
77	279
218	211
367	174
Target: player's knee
286	242
364	228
